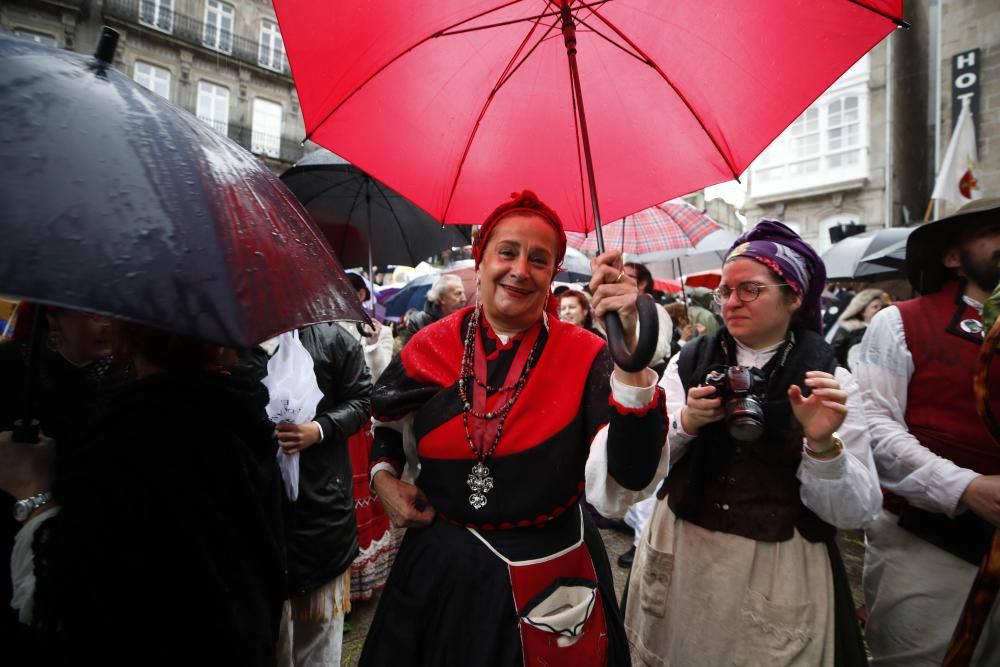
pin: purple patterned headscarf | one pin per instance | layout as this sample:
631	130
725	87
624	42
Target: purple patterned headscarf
780	249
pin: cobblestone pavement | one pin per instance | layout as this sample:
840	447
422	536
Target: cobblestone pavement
616	543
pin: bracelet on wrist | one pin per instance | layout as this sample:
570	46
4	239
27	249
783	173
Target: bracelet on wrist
826	454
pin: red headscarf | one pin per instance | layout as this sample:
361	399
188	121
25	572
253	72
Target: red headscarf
525	202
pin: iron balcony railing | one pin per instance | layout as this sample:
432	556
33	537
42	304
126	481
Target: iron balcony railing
257	142
159	16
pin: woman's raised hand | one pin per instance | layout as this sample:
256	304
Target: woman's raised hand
614	292
823	412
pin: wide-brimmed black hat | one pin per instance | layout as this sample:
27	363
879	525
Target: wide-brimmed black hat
924	265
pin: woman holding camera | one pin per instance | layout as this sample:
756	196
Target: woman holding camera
769	457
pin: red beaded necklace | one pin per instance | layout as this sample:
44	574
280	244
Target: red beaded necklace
472	356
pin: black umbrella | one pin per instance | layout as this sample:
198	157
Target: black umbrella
117	202
892	256
365	221
843	260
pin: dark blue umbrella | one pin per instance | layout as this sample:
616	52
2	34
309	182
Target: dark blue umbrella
412	295
117	202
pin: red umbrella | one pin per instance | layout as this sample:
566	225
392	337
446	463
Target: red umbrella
709	279
455	103
667	285
667	226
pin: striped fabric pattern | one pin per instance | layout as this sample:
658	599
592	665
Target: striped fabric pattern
667	226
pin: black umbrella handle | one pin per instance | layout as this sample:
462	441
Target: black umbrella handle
649	334
26	429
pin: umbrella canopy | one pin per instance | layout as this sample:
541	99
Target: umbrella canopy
844	258
414	293
363	220
575	268
455	103
892	256
115	201
666	226
707	255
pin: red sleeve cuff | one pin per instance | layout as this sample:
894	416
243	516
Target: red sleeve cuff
659	401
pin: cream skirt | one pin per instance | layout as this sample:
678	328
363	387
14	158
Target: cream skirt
698	597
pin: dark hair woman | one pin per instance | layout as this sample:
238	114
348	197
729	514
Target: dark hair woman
762	475
574	308
501	404
163	535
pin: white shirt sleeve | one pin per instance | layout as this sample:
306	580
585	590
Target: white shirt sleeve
607	496
907	468
22	567
379	354
844	491
677	439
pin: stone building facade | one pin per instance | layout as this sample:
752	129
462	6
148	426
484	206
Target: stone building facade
222	61
864	152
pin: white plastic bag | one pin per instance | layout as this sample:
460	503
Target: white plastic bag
291	383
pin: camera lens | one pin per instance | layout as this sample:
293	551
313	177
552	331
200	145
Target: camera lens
744	419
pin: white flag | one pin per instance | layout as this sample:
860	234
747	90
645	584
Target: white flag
956	182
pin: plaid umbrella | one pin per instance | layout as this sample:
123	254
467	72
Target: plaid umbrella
667	226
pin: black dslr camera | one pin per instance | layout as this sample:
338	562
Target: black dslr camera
743	391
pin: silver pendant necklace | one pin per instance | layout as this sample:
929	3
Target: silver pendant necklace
481	483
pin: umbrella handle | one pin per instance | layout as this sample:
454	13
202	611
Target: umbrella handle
649	334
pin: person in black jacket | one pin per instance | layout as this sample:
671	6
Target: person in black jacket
74	371
320	528
161	544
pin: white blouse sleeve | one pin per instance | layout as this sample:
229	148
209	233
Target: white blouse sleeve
379	354
844	491
677	439
884	368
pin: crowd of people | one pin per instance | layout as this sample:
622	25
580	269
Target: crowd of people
192	504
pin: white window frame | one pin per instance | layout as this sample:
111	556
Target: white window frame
162	17
263	139
146	75
213	106
783	169
217	35
43	38
271	53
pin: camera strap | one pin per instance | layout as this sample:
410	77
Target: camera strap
728	344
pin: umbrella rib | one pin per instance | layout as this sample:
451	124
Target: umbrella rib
607	38
392	211
325	189
392	60
666	79
898	21
500	24
350	214
504	77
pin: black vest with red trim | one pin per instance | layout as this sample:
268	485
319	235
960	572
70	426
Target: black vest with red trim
749	488
538	466
940	405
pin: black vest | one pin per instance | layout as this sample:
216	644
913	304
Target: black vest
749	488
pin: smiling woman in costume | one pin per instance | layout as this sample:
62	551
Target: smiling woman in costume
500	404
769	456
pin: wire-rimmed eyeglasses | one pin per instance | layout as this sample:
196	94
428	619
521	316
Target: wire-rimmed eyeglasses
745	291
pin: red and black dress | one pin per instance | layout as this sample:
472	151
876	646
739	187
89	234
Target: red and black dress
524	576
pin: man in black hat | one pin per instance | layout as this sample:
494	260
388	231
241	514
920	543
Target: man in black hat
938	465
